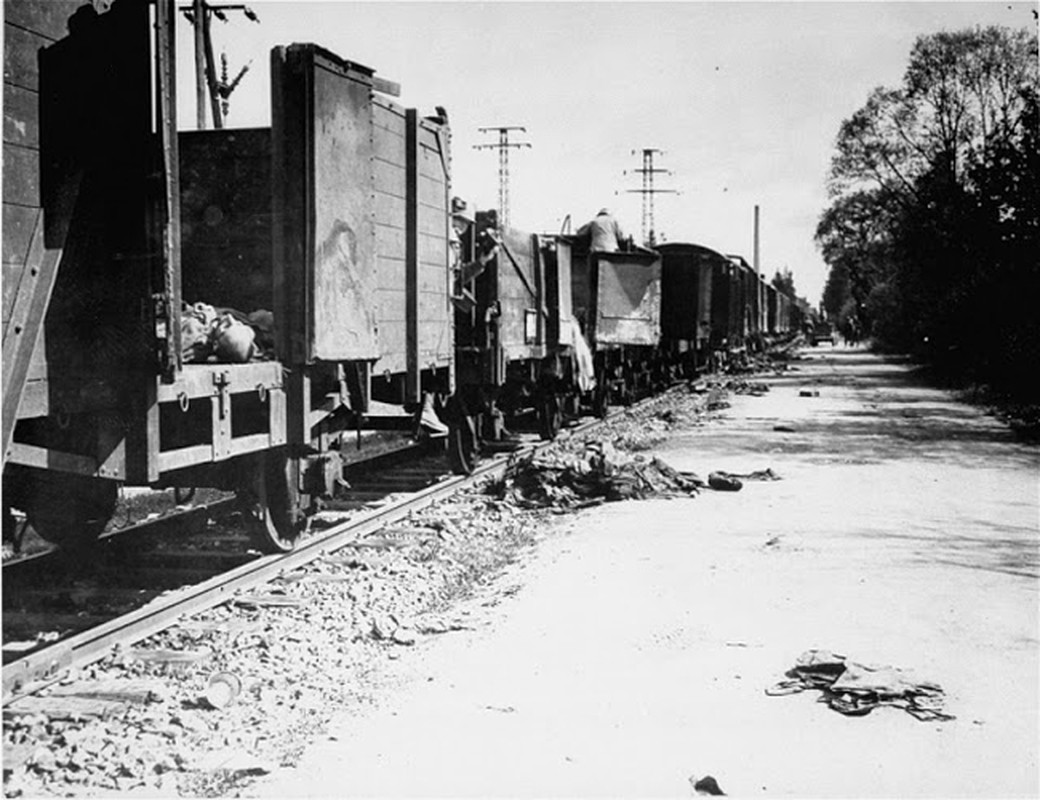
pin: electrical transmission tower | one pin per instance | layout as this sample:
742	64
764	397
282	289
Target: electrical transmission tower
503	145
648	190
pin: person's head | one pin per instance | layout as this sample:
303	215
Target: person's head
604	212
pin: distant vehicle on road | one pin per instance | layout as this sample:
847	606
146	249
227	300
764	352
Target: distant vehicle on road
822	332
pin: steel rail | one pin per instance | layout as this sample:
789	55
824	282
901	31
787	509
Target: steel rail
30	673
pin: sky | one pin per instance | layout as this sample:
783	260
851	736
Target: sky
743	99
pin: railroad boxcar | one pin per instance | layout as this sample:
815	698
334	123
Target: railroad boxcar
508	306
331	226
616	300
686	301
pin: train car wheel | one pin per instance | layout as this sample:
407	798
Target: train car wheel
69	510
273	506
462	446
550	417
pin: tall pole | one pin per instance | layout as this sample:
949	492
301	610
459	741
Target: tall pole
759	282
756	241
198	9
199	13
648	190
503	145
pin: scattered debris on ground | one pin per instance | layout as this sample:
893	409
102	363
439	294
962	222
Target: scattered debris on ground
706	786
239	690
601	473
857	689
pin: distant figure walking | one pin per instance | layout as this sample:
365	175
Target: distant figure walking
604	233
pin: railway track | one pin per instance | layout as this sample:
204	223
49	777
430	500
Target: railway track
142	590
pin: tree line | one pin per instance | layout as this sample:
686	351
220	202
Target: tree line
933	232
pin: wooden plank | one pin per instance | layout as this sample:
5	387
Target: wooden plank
48	18
18	224
388	211
12	273
391	306
20	52
24	324
289	232
389	272
21	116
249	444
390	242
42	458
388	144
185	457
196	380
35	399
434	222
412	256
388	117
165	19
434	251
385	86
388	178
392	345
432	194
434	278
21	175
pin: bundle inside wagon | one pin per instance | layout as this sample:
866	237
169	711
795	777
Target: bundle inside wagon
225	335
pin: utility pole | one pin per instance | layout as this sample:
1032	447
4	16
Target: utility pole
503	145
648	190
199	13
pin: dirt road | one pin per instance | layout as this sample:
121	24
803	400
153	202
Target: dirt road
632	649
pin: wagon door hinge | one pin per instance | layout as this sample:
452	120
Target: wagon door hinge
222	381
222	415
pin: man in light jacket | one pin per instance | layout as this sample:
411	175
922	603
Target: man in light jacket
604	232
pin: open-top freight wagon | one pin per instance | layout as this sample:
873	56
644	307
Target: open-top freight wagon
616	302
513	361
221	308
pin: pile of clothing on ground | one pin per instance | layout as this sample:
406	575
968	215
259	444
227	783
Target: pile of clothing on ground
857	689
599	473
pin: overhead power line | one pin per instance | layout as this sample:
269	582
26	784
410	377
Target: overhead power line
503	145
648	190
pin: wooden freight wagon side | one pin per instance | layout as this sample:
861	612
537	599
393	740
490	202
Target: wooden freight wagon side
414	320
361	266
69	105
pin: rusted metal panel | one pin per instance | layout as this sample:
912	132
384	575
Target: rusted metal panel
226	218
627	298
